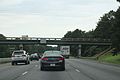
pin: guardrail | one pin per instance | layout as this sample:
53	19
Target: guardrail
5	60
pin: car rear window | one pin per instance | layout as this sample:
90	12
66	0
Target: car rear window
52	52
18	53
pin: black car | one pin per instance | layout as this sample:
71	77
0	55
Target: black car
52	59
34	57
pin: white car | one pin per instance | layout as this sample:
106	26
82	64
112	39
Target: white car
20	56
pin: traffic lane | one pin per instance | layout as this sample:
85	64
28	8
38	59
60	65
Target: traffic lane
95	70
75	70
69	74
9	72
5	66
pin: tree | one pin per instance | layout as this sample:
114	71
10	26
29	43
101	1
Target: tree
89	34
4	49
75	34
78	34
2	37
68	34
118	0
116	30
104	26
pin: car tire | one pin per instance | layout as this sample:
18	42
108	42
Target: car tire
26	62
12	63
42	68
63	68
15	63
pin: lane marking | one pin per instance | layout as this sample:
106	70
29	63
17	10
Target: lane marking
77	70
36	65
24	73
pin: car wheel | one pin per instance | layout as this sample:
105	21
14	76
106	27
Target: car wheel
26	62
15	63
63	68
12	63
42	68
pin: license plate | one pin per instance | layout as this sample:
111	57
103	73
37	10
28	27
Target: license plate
52	64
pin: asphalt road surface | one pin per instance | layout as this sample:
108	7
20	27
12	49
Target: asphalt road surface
76	69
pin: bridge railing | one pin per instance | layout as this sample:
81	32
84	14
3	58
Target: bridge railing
60	39
87	39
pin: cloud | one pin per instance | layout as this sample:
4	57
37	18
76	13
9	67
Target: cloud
18	24
10	2
50	18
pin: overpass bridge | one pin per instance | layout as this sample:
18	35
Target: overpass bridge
55	41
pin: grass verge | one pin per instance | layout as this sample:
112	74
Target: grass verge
110	59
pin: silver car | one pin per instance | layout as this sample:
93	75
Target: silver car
20	56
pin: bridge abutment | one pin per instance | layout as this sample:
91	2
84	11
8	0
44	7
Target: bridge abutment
79	50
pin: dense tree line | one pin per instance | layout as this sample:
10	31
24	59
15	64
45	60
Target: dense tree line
108	27
4	49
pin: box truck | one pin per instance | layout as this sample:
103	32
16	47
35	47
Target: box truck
65	51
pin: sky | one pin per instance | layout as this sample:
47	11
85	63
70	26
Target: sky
51	18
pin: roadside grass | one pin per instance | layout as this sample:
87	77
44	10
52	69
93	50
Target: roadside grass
109	58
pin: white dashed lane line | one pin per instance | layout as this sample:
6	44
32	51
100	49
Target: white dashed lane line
77	70
24	73
36	65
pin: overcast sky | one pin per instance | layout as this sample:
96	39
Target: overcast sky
51	18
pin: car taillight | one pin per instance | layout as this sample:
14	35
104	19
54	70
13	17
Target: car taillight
44	58
61	58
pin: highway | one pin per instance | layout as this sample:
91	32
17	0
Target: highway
76	69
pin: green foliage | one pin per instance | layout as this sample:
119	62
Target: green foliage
108	27
75	34
109	58
68	34
38	48
105	25
78	34
4	49
116	29
2	37
118	0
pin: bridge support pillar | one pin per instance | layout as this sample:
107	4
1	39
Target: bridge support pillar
79	50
